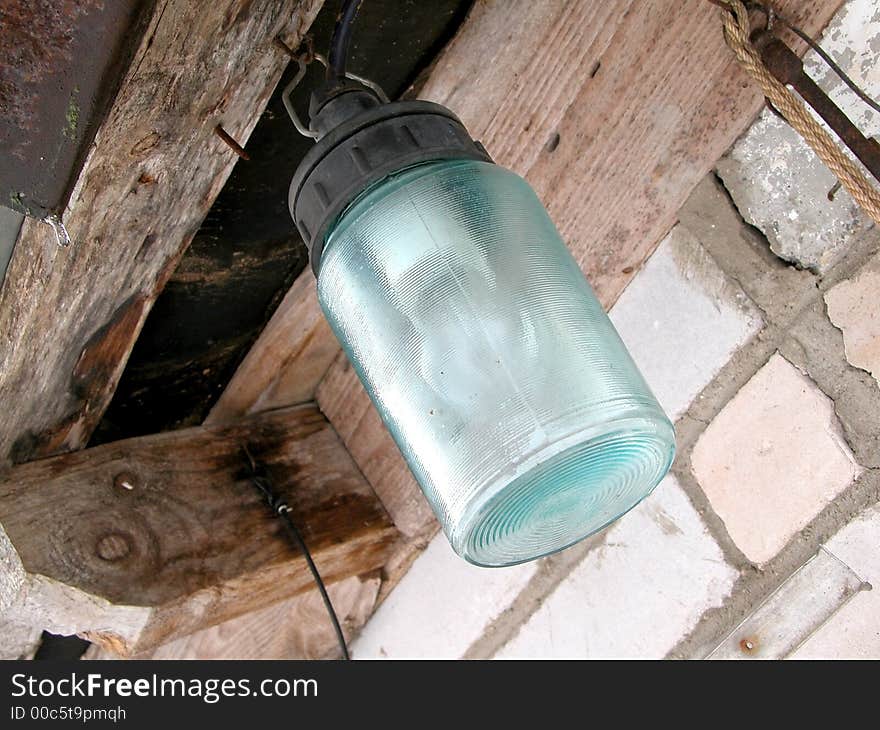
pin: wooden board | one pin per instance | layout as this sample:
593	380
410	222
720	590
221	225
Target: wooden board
190	544
69	317
297	628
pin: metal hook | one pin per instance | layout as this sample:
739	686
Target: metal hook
62	237
298	77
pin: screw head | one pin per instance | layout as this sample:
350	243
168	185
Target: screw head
125	480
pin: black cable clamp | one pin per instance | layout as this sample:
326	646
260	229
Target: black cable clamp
260	479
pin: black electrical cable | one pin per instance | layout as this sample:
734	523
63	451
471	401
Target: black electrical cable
340	43
281	510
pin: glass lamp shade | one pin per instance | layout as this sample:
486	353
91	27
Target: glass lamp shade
497	372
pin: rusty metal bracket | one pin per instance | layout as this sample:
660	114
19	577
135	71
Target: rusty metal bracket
787	68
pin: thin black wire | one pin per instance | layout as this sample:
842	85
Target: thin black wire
281	510
832	64
340	43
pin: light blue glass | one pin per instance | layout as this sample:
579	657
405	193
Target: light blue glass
496	370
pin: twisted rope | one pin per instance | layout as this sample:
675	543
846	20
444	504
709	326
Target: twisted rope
737	34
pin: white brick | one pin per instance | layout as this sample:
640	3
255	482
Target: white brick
778	182
854	307
441	607
682	320
772	459
854	631
639	593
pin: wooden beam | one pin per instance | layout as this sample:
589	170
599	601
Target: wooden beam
612	111
296	628
137	542
69	317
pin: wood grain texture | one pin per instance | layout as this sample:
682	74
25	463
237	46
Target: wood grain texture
287	361
69	317
612	111
296	628
191	543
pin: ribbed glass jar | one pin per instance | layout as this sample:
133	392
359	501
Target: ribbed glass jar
496	370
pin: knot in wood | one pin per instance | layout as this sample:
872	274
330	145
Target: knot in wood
113	546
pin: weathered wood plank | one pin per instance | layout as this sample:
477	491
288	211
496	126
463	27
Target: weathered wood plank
644	97
191	544
296	628
69	317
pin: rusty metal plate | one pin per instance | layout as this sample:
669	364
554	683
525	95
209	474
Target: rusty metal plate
793	612
60	64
